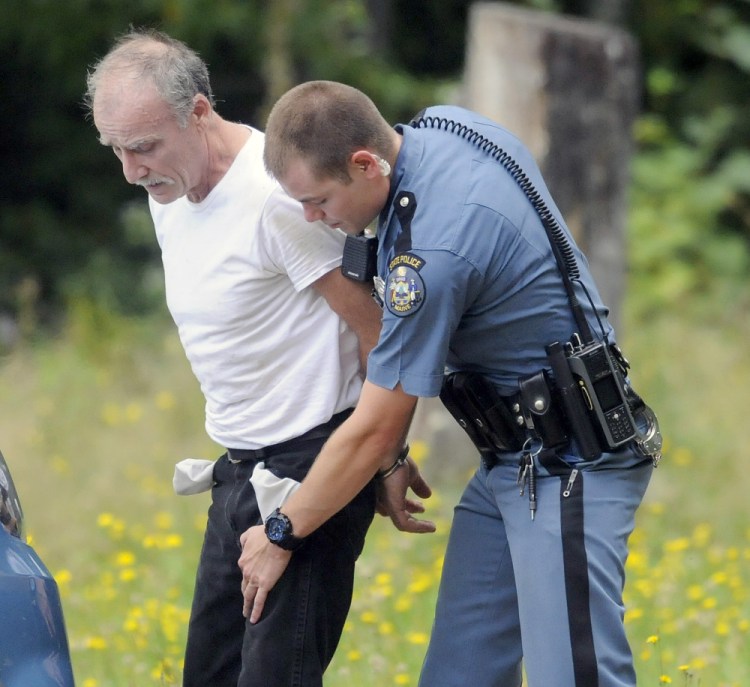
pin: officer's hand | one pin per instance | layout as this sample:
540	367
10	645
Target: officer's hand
262	564
393	502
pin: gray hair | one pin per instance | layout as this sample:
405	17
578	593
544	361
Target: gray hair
177	72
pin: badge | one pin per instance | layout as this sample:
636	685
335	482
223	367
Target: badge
405	290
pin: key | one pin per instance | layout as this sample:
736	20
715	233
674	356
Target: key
532	489
523	469
525	473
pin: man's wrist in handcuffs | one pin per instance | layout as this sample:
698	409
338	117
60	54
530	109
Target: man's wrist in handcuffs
400	460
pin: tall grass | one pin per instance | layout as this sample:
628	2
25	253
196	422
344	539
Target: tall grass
92	423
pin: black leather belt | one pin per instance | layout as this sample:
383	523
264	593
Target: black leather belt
237	455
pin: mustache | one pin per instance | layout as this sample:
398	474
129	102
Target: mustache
152	181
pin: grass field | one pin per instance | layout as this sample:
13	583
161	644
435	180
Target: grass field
92	423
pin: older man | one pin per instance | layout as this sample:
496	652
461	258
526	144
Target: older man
275	336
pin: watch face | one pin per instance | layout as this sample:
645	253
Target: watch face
279	531
276	529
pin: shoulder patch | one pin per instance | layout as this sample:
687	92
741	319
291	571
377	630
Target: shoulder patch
404	289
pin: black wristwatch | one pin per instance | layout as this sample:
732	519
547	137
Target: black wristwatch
279	531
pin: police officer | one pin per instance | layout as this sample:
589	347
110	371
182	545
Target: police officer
470	284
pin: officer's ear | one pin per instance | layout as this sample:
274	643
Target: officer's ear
371	165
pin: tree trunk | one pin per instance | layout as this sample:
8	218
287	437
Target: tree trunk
380	13
569	89
278	69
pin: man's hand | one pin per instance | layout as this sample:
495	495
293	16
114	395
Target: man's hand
392	500
262	564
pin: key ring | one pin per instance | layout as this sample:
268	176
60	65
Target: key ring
526	448
528	472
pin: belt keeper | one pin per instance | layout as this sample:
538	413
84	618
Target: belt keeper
400	460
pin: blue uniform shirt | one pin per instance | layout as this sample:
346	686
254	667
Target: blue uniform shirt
473	285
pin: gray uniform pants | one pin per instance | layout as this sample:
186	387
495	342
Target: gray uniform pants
547	592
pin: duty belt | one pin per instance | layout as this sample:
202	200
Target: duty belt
497	423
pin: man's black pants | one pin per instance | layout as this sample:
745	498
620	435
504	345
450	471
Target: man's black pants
304	615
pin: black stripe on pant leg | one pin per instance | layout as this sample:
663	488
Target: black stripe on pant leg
575	564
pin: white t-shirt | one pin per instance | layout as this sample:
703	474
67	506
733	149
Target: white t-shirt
273	360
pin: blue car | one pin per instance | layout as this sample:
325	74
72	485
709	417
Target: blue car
33	641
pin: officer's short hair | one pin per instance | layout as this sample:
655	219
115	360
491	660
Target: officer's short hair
323	122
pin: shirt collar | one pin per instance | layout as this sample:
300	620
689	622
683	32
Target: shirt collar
404	171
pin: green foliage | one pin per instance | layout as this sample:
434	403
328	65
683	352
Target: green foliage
60	206
680	249
696	56
67	224
316	33
61	224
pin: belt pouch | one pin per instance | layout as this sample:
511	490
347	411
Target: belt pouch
461	414
541	409
481	411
